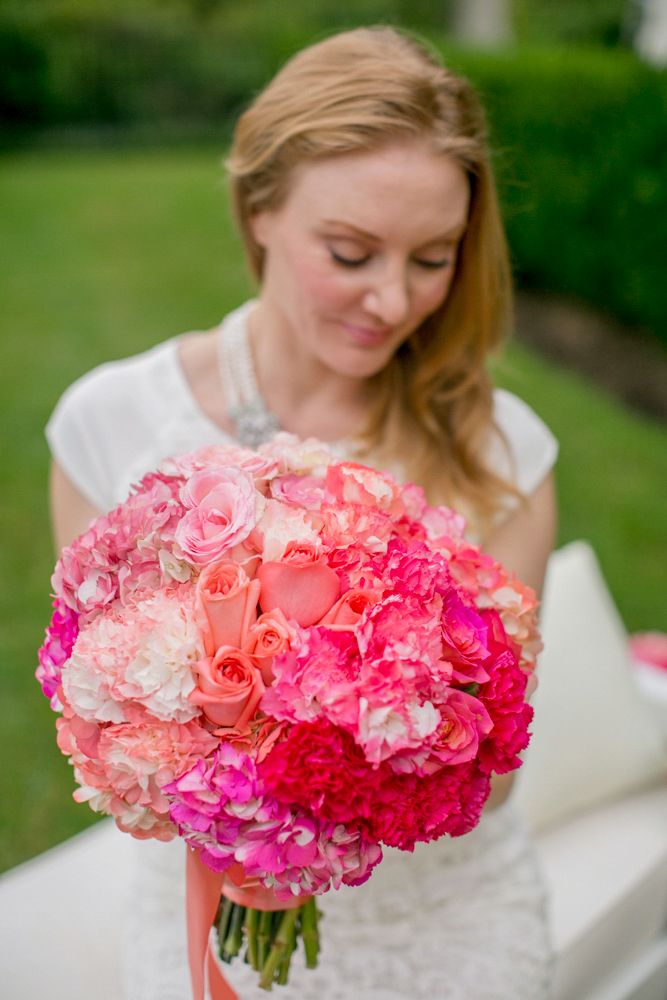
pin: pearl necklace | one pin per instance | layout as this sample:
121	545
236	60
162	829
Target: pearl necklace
253	422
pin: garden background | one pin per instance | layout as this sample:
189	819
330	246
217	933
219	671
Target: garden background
115	234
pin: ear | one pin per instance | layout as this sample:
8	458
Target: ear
258	225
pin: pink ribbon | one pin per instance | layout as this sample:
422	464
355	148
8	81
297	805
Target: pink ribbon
203	891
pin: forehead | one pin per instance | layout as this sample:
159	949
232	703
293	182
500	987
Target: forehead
403	188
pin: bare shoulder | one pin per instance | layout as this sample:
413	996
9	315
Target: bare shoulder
198	357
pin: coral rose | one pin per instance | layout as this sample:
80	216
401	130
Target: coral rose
229	687
301	584
229	601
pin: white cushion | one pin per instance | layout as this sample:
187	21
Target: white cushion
607	877
593	738
61	918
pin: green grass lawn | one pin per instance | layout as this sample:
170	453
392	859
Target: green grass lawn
103	254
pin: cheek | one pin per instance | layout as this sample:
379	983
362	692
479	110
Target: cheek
434	293
323	286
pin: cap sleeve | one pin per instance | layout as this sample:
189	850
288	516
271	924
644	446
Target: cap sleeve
106	429
78	435
528	450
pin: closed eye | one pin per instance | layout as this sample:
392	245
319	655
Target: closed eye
434	264
349	261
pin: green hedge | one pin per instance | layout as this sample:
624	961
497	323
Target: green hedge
579	135
581	156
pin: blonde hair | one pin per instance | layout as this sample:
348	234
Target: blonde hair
358	91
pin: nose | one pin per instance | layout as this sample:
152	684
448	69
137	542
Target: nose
388	298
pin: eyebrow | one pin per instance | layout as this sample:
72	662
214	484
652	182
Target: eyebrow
454	233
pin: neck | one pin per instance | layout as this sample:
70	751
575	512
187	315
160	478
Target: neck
306	397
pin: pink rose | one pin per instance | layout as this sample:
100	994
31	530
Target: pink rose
221	513
229	600
229	687
271	634
465	722
464	641
304	491
301	585
349	608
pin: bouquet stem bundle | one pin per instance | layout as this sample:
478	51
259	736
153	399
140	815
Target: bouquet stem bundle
270	937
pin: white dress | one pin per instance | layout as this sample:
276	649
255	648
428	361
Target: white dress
459	919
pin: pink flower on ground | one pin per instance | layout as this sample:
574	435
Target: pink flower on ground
649	648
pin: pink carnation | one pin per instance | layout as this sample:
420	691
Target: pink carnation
319	767
412	808
315	677
503	698
59	639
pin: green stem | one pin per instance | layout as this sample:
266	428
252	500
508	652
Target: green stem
278	948
283	968
310	932
234	938
251	925
263	937
226	907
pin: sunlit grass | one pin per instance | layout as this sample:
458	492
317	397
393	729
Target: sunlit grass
103	254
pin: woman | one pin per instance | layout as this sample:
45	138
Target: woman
363	189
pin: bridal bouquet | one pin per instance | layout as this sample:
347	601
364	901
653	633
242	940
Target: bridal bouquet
290	661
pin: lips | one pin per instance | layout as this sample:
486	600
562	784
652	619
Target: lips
368	336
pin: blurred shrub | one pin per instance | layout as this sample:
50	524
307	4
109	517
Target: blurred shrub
581	151
581	158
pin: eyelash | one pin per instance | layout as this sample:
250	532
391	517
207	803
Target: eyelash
350	262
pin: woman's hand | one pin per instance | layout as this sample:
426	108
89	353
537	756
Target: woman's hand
71	513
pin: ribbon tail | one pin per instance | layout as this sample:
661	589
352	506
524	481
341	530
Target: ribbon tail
203	890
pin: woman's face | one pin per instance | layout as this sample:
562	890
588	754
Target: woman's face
362	250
